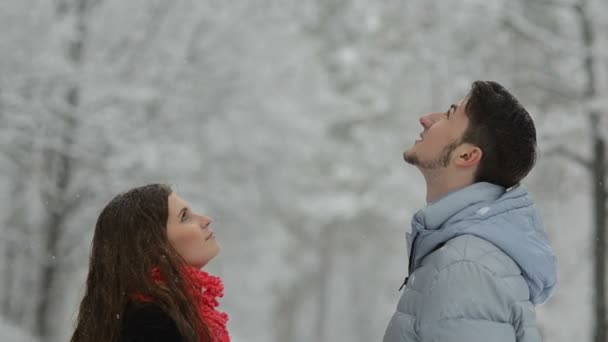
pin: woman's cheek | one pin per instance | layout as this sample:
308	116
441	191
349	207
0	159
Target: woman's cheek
188	243
191	236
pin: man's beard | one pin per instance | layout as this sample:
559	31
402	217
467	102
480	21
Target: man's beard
442	161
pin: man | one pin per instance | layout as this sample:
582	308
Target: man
479	259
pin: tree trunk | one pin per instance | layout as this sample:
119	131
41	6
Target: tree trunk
60	166
360	297
324	280
599	251
598	171
16	229
49	275
288	304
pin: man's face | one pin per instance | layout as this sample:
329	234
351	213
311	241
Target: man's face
441	135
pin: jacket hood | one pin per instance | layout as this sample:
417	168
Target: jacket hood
506	218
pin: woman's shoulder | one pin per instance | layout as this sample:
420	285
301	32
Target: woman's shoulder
148	322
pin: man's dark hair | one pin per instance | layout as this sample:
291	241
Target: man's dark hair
503	129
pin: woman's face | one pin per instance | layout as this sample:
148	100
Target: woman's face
190	233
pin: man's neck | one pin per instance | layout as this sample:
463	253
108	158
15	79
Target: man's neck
439	184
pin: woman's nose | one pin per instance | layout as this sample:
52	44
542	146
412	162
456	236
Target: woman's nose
205	221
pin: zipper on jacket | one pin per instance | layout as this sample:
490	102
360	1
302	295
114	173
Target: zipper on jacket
410	269
407	277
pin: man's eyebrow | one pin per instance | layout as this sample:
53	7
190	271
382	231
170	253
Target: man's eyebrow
452	106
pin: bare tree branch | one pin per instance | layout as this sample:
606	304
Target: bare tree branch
562	151
517	23
555	3
159	13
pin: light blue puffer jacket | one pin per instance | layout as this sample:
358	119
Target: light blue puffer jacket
479	262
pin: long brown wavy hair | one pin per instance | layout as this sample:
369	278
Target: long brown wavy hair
130	240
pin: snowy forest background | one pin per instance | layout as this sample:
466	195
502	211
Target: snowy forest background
285	122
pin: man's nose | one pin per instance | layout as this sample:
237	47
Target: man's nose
426	121
430	119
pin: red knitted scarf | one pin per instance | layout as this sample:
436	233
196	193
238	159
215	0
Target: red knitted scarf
206	289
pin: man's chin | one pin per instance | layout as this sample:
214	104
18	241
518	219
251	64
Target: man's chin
410	157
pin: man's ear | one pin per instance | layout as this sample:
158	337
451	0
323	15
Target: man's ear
467	155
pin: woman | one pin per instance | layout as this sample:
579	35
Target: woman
145	281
